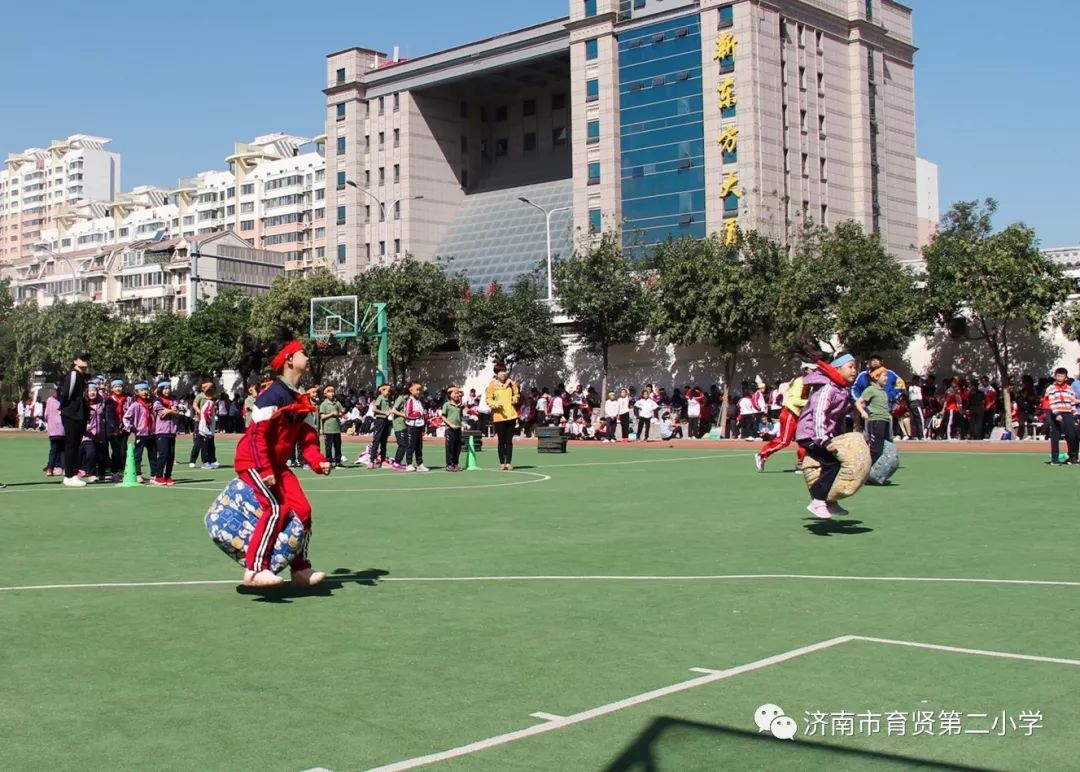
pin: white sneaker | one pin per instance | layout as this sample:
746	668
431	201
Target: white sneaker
410	468
74	482
422	468
206	466
215	465
192	465
759	462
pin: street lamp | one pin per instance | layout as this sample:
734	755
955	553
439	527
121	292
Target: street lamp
383	212
547	217
76	282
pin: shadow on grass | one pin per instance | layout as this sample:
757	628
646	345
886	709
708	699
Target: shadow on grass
669	744
836	527
334	580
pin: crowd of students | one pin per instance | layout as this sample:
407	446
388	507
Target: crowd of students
922	408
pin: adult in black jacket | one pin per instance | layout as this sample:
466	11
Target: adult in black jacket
73	414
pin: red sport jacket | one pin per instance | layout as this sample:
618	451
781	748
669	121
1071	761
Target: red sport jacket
277	425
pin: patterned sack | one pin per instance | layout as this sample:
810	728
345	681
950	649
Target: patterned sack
854	455
888	462
232	519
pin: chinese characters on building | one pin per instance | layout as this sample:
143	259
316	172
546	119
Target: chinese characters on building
728	139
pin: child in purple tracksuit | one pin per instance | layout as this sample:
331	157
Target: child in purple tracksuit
55	427
95	442
166	417
139	419
823	418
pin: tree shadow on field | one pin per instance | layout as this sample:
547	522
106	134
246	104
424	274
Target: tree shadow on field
836	527
334	580
667	742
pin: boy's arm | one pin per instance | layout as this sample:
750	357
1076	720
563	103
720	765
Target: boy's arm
860	405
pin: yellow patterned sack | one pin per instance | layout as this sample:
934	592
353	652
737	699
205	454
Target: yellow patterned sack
854	455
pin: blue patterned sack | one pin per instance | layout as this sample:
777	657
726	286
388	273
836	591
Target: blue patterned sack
232	519
888	462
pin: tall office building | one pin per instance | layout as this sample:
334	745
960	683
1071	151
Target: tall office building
659	117
38	184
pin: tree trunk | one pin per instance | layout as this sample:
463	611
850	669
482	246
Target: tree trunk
603	382
729	378
1000	352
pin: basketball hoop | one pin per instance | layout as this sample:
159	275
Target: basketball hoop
323	338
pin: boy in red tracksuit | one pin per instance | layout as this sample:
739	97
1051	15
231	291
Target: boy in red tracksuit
794	401
278	424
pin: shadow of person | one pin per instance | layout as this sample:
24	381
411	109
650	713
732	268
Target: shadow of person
334	581
835	527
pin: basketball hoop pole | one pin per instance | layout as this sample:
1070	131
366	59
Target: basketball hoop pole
374	325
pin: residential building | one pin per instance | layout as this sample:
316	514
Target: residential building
38	184
657	117
143	277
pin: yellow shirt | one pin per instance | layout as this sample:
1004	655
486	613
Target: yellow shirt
503	399
793	397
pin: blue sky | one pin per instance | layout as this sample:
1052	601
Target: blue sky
175	84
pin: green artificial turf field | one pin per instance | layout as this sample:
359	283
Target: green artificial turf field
584	588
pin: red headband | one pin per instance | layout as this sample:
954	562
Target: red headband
277	364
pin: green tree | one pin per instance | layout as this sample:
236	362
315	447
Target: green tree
284	312
979	281
45	339
218	336
720	295
841	282
420	301
510	327
602	292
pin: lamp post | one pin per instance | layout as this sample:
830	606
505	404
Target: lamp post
383	211
547	217
76	282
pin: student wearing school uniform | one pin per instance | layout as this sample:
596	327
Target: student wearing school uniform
54	467
206	428
453	414
330	413
165	424
646	408
206	391
139	420
115	405
95	444
1061	402
414	415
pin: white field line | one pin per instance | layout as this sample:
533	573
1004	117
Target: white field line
381	474
962	650
555	722
545	716
603	710
587	578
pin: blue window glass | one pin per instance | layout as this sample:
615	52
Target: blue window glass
340	111
661	132
729	112
592	90
592	49
341	253
590	8
727	16
594	221
731	203
340	145
341	180
730	158
594	174
341	215
592	130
